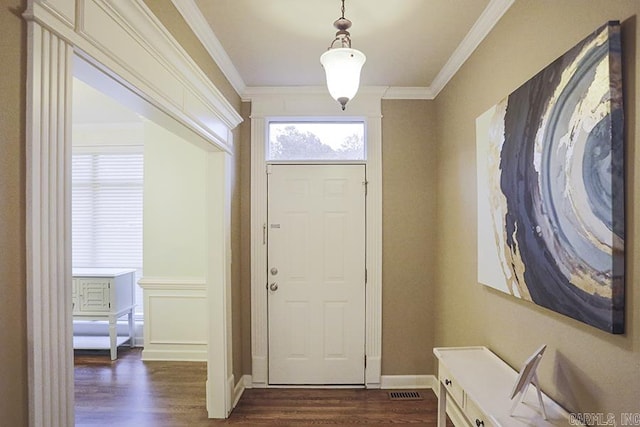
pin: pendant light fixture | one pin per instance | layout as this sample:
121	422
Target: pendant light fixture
342	64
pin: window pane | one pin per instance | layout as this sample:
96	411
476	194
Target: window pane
107	197
316	141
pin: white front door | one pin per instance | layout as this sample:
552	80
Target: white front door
316	274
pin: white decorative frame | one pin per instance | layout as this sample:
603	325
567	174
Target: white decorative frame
315	103
187	297
129	48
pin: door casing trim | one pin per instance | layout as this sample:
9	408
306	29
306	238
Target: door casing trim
319	106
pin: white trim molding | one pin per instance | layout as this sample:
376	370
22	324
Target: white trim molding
172	283
409	93
220	381
201	28
48	225
315	103
124	43
154	65
487	20
244	383
391	382
259	331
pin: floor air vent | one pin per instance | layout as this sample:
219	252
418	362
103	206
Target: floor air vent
405	395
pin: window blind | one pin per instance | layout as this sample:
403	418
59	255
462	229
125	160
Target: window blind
107	196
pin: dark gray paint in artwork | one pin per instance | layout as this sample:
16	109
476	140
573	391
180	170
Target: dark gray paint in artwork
534	200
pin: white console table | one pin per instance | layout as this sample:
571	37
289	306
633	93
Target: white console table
478	384
104	294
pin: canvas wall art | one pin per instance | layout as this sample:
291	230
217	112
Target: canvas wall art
550	164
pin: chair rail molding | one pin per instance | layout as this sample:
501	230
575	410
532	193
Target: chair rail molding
127	45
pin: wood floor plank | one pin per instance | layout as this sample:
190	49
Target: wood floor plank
130	392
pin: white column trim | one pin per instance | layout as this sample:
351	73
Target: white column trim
314	103
259	340
48	223
173	86
220	385
373	326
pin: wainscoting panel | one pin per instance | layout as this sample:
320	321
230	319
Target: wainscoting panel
175	326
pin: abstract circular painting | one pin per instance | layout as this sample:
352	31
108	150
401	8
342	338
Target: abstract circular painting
551	186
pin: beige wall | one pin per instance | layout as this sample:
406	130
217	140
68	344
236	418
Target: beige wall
585	369
408	236
13	332
174	223
244	150
236	261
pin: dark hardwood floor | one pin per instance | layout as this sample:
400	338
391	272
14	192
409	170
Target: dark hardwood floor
129	392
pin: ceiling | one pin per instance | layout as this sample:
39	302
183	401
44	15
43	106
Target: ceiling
91	106
412	46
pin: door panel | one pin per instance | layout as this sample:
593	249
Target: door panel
316	261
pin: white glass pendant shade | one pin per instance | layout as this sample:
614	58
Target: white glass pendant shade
342	67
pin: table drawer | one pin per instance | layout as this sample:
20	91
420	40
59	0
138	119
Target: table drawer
451	385
475	415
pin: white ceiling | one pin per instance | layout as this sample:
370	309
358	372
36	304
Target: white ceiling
91	106
412	46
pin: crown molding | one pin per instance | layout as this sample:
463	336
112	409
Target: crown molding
416	92
253	92
201	28
383	92
487	20
296	101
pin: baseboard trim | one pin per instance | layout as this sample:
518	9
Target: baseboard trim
241	386
407	381
248	381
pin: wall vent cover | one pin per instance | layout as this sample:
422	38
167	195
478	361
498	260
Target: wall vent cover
405	395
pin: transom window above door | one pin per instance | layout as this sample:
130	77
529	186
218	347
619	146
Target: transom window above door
336	141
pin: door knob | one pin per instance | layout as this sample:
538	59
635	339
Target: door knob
273	286
274	271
